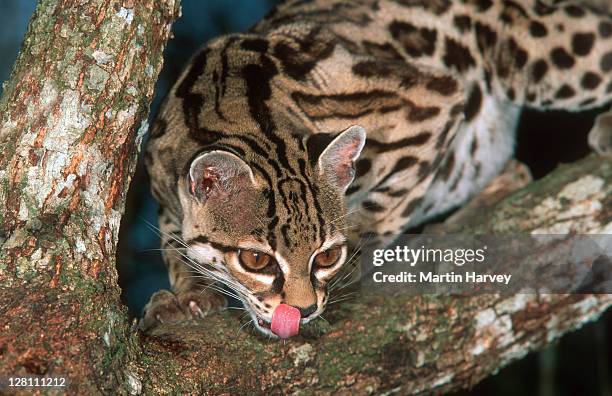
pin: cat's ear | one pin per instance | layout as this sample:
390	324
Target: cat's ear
218	173
337	161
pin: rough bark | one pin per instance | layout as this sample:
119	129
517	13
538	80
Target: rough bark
70	128
69	131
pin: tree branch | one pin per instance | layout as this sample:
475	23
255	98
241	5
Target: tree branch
69	136
412	344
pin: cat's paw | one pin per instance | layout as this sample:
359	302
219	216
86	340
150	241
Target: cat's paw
167	307
600	137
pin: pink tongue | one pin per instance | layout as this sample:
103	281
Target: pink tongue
285	321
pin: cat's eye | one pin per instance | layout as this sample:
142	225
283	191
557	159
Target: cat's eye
328	257
253	260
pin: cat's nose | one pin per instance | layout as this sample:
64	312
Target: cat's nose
305	312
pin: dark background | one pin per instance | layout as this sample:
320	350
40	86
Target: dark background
579	364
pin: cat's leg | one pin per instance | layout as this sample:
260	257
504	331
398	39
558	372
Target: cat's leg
553	57
481	148
189	297
545	58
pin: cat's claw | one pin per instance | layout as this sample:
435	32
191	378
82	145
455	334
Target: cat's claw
195	309
167	307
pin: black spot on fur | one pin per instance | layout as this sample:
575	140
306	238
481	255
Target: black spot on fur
447	167
510	56
398	193
606	62
562	59
418	114
519	54
442	137
605	29
537	29
350	105
443	85
427	208
415	41
487	78
512	10
412	205
159	128
588	102
477	169
458	56
299	57
539	70
192	102
381	51
574	11
531	97
456	109
257	45
542	9
590	81
565	92
371	68
458	178
415	140
424	170
383	68
474	147
372	206
463	23
582	43
486	38
511	93
484	5
438	7
400	165
474	103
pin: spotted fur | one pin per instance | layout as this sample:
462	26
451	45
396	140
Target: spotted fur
438	86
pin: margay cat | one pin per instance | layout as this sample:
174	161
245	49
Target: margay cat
259	156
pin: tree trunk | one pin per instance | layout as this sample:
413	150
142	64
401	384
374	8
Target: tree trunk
71	123
70	130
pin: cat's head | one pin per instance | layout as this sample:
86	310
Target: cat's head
271	234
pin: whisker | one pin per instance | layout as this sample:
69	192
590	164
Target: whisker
188	261
346	214
341	298
160	249
338	301
250	321
348	227
201	271
222	291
